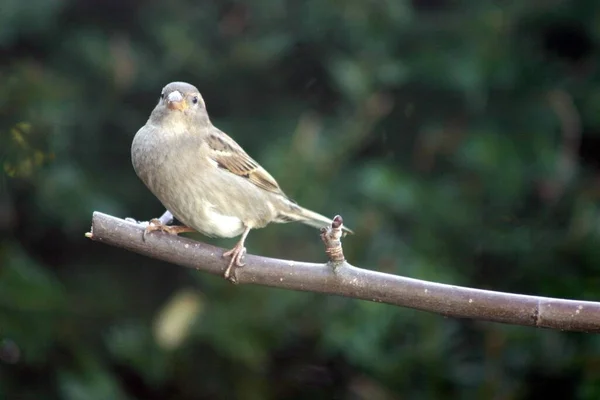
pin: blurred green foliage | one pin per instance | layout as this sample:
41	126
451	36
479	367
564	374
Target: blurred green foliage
459	139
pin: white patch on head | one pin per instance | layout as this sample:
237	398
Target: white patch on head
175	96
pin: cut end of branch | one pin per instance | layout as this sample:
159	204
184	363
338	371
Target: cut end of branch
337	222
331	236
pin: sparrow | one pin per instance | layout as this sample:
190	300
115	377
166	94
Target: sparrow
205	179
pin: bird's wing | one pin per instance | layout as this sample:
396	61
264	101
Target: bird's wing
230	156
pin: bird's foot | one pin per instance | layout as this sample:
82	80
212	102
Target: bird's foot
237	255
156	225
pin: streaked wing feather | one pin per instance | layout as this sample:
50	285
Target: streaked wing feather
230	156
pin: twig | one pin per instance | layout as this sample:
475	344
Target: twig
331	236
349	281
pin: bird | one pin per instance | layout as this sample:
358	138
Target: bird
205	179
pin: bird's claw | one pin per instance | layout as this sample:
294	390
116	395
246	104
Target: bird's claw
156	225
237	255
153	225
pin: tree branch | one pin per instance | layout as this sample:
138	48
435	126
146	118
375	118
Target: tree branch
341	278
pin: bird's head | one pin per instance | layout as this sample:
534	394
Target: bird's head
180	100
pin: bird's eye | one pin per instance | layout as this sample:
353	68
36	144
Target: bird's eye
162	95
195	100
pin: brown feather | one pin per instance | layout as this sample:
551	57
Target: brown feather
230	156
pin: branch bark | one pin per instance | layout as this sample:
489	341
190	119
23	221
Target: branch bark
341	278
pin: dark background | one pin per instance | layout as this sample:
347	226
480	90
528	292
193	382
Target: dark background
460	139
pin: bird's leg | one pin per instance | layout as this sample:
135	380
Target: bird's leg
237	254
160	223
166	218
157	225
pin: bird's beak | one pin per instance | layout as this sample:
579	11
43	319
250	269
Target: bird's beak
175	101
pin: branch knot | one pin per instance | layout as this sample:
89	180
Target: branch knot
331	235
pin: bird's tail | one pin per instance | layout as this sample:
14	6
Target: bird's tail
311	218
